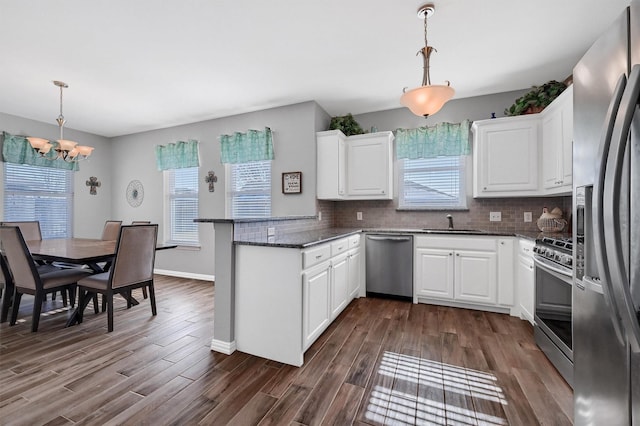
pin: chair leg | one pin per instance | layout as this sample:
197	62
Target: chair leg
104	303
16	305
83	297
144	292
6	304
109	297
128	297
63	292
72	295
37	308
152	298
96	309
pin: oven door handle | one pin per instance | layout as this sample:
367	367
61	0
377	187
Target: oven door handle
559	273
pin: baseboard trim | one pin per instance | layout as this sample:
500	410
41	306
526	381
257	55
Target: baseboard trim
190	275
226	348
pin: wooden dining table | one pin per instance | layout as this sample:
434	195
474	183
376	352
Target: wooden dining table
95	253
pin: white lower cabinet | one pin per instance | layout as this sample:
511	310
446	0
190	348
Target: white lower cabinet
475	276
434	273
526	280
464	271
316	309
286	297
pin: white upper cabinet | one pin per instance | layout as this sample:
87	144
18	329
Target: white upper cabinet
526	155
505	157
331	169
356	167
557	144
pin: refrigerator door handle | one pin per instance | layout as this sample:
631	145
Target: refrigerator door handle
604	282
611	213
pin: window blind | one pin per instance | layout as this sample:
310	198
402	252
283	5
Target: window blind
182	205
432	183
249	193
42	194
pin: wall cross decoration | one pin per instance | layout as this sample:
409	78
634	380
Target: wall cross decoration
93	183
211	178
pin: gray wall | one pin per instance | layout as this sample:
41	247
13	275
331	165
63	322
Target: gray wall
293	129
90	211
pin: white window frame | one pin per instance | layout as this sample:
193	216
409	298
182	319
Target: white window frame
231	192
38	190
462	167
169	197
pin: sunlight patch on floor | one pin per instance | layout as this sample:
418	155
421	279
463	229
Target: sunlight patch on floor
392	406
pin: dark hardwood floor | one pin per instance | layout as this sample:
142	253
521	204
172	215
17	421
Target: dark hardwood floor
380	362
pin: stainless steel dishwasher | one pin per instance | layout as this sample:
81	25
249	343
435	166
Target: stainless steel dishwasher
389	265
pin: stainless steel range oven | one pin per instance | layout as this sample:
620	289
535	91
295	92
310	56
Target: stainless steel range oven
552	312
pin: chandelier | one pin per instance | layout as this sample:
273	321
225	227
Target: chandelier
426	99
65	149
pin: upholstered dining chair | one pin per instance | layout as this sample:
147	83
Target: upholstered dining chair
27	279
111	230
132	268
30	229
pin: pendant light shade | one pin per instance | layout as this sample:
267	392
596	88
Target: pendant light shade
427	99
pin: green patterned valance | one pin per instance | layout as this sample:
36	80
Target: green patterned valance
17	149
177	155
441	140
246	147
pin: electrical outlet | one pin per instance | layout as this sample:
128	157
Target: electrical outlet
319	216
527	217
271	232
495	216
358	215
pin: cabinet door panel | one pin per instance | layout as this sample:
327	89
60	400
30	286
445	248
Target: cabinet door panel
354	274
526	281
434	273
369	167
339	285
316	303
552	150
475	276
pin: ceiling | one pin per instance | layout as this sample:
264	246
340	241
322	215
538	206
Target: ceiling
139	65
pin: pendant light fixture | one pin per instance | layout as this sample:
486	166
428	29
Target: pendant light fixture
66	150
427	99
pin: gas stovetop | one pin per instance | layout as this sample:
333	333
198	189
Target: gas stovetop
556	249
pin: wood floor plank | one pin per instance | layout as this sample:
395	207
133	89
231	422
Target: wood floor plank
380	362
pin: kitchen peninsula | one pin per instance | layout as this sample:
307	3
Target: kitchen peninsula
280	282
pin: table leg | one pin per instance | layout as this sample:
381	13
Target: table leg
82	304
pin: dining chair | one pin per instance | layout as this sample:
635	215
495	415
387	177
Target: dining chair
111	230
27	279
140	222
7	288
132	268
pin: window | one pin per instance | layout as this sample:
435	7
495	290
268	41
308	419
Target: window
39	193
181	205
249	189
432	183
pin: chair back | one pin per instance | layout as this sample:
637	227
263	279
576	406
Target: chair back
30	229
5	278
135	255
111	230
18	258
140	222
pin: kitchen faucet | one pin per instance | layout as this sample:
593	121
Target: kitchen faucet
450	219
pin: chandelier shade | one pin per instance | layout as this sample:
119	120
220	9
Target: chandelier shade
429	98
65	150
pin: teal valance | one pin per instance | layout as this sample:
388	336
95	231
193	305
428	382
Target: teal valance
441	140
177	155
254	145
18	150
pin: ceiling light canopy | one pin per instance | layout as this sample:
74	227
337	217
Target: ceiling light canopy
427	99
66	150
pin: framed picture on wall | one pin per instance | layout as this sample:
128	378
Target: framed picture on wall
292	183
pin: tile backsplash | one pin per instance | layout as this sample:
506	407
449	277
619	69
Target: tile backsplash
383	214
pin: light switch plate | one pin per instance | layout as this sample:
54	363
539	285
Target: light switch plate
495	216
527	217
319	216
271	232
358	215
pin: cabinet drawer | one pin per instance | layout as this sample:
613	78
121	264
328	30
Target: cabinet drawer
354	241
339	246
315	255
525	248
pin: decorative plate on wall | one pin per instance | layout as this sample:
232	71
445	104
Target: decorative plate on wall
135	193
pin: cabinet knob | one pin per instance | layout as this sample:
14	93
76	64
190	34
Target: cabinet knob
450	254
501	243
485	188
457	254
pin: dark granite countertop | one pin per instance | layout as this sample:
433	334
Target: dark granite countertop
252	219
313	237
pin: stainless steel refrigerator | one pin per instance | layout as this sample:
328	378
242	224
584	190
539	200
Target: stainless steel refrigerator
606	173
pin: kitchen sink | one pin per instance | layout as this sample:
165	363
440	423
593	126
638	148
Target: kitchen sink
454	231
